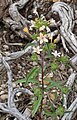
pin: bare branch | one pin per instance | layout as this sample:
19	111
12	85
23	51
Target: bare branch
69	84
10	107
70	111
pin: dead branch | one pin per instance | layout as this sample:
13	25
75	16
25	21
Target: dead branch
69	84
66	15
73	62
70	111
10	107
16	21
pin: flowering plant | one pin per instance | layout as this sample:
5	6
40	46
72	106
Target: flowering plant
47	59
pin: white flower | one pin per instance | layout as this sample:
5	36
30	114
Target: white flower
48	29
37	49
56	54
43	17
32	25
42	38
50	36
42	28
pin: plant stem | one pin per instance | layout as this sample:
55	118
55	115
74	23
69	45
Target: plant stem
42	67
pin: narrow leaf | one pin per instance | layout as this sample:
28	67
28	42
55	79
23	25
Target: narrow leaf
36	105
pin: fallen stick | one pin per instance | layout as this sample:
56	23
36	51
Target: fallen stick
10	107
69	84
70	111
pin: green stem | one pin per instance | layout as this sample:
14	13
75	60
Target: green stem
42	67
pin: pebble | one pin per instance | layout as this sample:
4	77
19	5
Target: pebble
6	47
2	92
18	94
0	88
4	96
19	66
12	36
7	118
23	64
0	38
20	84
4	32
14	85
34	63
62	67
3	85
30	16
70	70
7	52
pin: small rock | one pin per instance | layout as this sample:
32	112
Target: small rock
15	118
6	47
4	32
0	38
62	67
7	53
29	16
20	84
7	118
0	88
18	94
27	112
2	92
70	70
4	97
3	85
19	66
12	36
34	63
23	64
14	85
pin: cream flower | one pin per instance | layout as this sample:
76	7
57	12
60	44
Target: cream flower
50	36
32	25
43	17
37	49
48	29
56	54
42	28
42	38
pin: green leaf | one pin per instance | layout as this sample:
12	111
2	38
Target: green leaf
50	114
37	92
34	36
25	81
30	44
53	84
30	77
39	23
64	59
21	80
60	111
54	66
34	57
64	89
52	46
33	73
36	105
